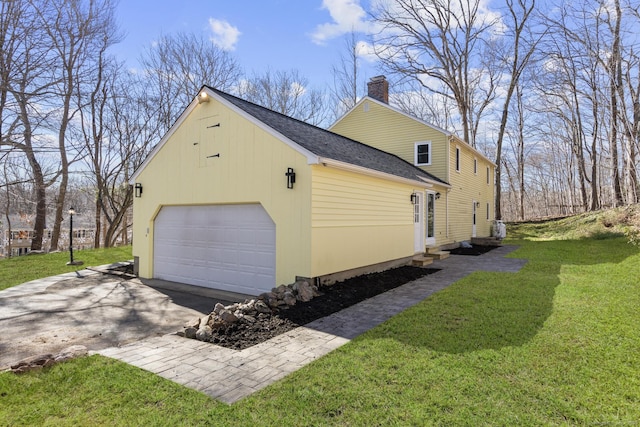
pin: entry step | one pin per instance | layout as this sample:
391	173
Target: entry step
421	261
437	254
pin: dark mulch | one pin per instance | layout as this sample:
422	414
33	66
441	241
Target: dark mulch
334	298
474	250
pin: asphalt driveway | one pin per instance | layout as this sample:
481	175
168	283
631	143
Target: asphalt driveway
93	309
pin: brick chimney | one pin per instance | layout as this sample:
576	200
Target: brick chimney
378	88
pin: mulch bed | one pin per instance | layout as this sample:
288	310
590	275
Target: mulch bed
474	250
333	299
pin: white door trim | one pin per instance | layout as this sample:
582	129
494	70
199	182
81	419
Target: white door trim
418	224
430	232
474	219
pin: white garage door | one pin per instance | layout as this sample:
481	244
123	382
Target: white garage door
228	247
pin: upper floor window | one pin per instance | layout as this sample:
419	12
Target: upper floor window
458	159
488	175
475	166
422	155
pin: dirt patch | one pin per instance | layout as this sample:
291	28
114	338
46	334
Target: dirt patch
334	298
474	250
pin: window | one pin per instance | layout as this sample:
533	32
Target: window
458	159
475	166
422	155
487	211
488	175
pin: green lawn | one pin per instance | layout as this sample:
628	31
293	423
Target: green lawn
555	344
16	270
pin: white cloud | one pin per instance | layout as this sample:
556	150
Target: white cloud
347	16
366	51
225	35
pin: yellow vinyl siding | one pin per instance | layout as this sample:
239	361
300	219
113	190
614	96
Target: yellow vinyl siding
467	187
251	169
358	220
396	133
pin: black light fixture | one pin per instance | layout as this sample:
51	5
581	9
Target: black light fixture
414	198
291	177
437	195
138	189
71	261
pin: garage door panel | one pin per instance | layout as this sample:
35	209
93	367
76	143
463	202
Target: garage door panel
229	247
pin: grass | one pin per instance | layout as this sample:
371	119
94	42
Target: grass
16	270
555	344
605	224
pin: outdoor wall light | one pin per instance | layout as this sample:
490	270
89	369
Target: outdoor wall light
437	195
291	177
203	97
414	198
477	204
138	189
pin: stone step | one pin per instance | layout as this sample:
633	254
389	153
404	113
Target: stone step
433	249
421	261
486	241
438	254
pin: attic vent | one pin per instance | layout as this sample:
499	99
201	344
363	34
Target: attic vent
365	107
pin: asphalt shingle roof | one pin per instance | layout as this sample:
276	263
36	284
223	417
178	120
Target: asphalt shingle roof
324	143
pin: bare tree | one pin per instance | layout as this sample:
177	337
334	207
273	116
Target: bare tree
415	100
347	84
441	40
615	75
520	47
286	92
26	80
178	65
78	33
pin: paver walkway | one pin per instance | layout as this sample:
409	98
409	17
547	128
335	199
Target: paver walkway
230	375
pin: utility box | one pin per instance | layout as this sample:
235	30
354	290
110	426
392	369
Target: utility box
498	229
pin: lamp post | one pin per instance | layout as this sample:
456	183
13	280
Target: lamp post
71	261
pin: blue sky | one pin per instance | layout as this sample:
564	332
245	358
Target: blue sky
307	35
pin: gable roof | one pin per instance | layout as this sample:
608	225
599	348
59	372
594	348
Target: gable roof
317	144
329	145
451	135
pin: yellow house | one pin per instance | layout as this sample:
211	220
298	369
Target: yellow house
241	198
457	213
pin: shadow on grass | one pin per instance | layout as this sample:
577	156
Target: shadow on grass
494	310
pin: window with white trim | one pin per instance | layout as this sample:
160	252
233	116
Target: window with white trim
488	175
475	166
458	159
422	154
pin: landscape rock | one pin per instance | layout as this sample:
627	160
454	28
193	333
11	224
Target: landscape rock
45	360
261	307
193	323
204	321
228	317
303	290
218	307
289	299
204	334
71	353
221	320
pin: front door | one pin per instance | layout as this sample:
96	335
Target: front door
418	223
430	235
475	211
